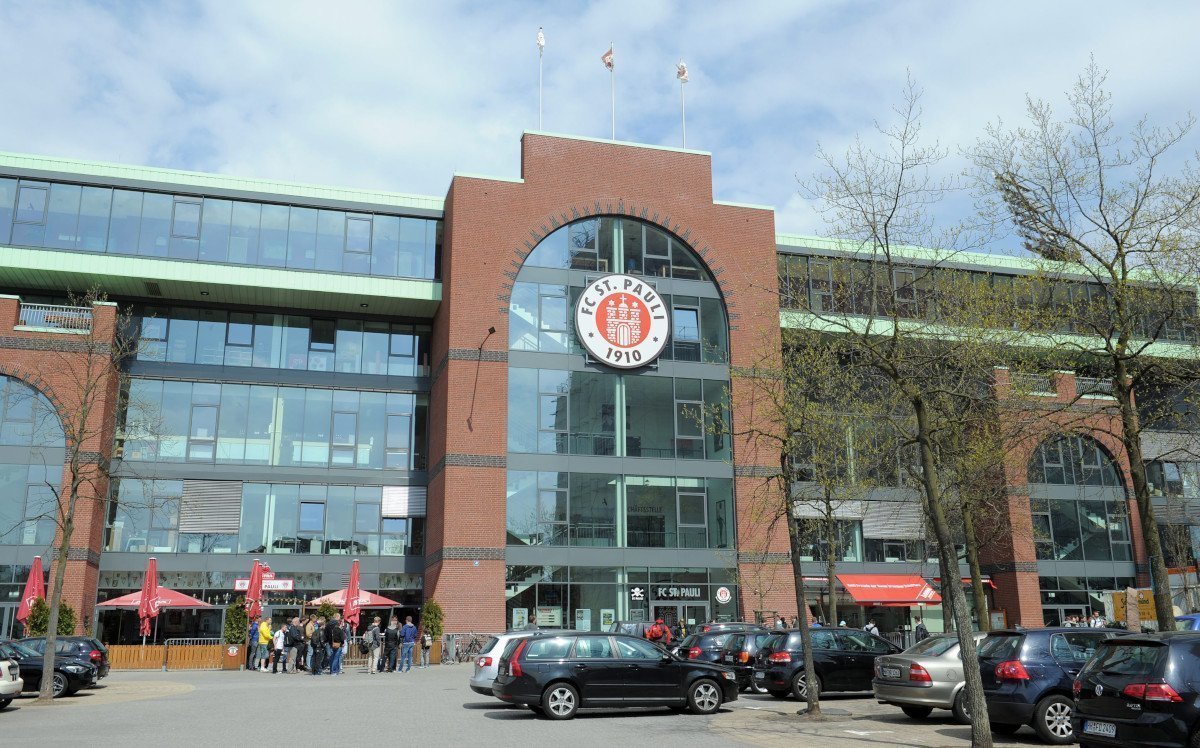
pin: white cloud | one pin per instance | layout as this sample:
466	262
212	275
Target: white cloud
399	96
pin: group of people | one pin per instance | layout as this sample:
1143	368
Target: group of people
319	645
1078	622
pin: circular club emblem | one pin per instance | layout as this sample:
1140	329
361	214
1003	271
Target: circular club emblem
622	321
724	595
232	651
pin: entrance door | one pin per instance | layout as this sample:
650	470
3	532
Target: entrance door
694	615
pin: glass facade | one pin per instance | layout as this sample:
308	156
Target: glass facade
239	424
154	516
281	341
83	218
31	457
1089	521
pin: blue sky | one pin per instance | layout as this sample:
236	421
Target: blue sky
398	96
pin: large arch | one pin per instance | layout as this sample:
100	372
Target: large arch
633	460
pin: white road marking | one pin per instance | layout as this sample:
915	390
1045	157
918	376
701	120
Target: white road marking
864	733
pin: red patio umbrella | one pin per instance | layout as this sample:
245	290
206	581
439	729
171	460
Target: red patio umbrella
35	587
351	607
148	602
365	600
167	598
254	591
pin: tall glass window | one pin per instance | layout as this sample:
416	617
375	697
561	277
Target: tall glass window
1078	502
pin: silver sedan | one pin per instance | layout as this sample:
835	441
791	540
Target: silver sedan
924	677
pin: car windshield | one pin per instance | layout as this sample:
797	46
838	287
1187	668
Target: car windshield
12	649
490	644
1001	646
1126	658
934	646
690	641
714	641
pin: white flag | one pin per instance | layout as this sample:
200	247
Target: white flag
681	71
541	40
607	58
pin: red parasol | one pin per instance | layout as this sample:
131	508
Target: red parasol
254	591
365	600
35	587
148	602
353	604
167	598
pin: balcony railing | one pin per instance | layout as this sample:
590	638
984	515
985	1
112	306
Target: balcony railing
51	317
1093	387
1032	384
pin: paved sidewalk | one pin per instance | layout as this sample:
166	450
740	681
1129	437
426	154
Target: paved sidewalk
194	708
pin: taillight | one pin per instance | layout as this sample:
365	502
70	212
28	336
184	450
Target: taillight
743	657
1011	670
1151	692
96	655
514	667
779	657
918	674
694	653
484	662
1076	687
705	629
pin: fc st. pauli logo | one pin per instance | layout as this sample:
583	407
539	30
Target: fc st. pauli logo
622	321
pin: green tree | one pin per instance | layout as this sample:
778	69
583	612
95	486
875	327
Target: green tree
38	622
236	623
327	611
432	618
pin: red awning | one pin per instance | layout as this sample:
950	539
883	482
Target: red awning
889	589
167	598
987	581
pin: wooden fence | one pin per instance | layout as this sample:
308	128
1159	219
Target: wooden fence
136	657
174	655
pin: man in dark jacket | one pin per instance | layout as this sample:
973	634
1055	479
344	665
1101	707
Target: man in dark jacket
317	645
920	633
335	638
391	644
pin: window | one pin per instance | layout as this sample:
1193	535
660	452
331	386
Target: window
860	641
685	331
312	517
186	221
548	649
31	204
593	648
636	649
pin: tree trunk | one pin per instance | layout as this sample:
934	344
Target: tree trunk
1131	433
980	599
46	692
831	540
794	535
981	734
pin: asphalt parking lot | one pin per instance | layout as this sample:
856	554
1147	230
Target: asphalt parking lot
206	708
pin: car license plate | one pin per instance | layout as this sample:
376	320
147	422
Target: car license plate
891	673
1105	729
760	675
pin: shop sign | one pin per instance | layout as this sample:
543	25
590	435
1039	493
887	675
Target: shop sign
637	594
549	617
268	585
724	595
520	618
622	321
678	593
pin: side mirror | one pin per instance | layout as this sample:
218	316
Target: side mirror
667	658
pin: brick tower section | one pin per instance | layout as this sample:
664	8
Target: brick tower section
490	227
73	369
1007	543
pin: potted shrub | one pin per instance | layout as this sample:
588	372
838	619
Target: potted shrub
431	623
234	656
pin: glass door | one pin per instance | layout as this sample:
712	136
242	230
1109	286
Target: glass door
694	615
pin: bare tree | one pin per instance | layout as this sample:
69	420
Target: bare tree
1119	214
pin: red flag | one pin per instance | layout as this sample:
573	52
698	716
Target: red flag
254	591
35	587
148	604
607	58
351	610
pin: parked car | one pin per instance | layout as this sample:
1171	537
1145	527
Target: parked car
1140	690
728	626
1028	675
488	661
703	647
11	682
738	653
70	673
82	647
559	674
924	677
1190	622
844	660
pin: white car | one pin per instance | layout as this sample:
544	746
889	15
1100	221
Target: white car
488	661
10	682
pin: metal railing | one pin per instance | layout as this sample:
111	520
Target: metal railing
1033	384
462	647
53	317
1093	387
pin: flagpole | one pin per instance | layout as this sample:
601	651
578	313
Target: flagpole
539	88
612	72
683	112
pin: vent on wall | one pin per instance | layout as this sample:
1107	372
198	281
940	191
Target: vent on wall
152	288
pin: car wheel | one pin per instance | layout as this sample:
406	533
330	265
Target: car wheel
1004	728
560	701
5	702
917	712
961	715
1052	720
778	694
1195	741
704	697
801	684
60	685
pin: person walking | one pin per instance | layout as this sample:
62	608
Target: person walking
337	644
372	642
408	639
279	650
426	645
252	645
264	643
316	647
920	633
871	628
293	635
391	645
659	633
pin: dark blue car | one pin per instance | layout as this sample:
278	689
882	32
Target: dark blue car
1028	676
1190	622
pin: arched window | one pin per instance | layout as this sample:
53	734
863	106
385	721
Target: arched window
1078	502
31	458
